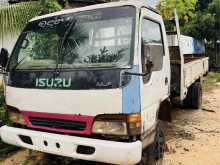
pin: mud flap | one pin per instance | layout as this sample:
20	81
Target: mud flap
165	111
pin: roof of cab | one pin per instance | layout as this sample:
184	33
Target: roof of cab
136	3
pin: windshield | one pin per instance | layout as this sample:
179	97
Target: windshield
97	38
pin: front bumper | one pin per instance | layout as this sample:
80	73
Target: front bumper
65	145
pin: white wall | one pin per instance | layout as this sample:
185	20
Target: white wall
3	2
8	41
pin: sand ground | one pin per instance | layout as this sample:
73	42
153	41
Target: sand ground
193	138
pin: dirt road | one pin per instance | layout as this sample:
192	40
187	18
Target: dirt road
193	138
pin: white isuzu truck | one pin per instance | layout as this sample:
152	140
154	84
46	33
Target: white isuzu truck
96	82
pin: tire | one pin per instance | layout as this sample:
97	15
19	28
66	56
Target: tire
153	154
194	96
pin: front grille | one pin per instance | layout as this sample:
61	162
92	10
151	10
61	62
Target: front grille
58	123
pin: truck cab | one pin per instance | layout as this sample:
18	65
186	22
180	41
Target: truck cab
91	80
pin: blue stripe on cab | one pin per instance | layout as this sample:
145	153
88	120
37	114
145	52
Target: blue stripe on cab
131	94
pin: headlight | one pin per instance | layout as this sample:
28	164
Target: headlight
15	116
110	128
117	124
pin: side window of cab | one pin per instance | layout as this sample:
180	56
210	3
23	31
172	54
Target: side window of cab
152	48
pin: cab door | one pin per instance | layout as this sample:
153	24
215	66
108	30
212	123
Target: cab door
155	62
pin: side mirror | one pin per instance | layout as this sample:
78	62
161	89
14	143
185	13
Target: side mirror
4	57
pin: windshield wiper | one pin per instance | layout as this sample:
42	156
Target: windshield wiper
16	66
67	32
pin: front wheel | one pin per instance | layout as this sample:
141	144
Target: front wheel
153	154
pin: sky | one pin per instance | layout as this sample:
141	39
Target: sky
153	2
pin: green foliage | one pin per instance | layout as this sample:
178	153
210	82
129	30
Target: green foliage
198	18
50	6
206	22
202	4
4	148
185	9
105	56
214	8
3	116
201	27
45	45
14	17
211	80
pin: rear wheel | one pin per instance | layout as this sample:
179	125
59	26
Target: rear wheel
194	96
153	155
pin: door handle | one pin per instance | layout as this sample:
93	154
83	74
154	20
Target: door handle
166	80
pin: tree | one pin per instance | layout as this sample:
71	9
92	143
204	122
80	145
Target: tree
206	22
198	18
50	6
202	5
203	24
214	8
185	9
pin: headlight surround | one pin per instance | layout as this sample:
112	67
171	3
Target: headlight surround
117	125
15	116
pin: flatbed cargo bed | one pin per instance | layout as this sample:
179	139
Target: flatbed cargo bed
191	59
194	68
188	61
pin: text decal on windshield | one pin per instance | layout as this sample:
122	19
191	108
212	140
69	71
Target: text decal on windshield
53	82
